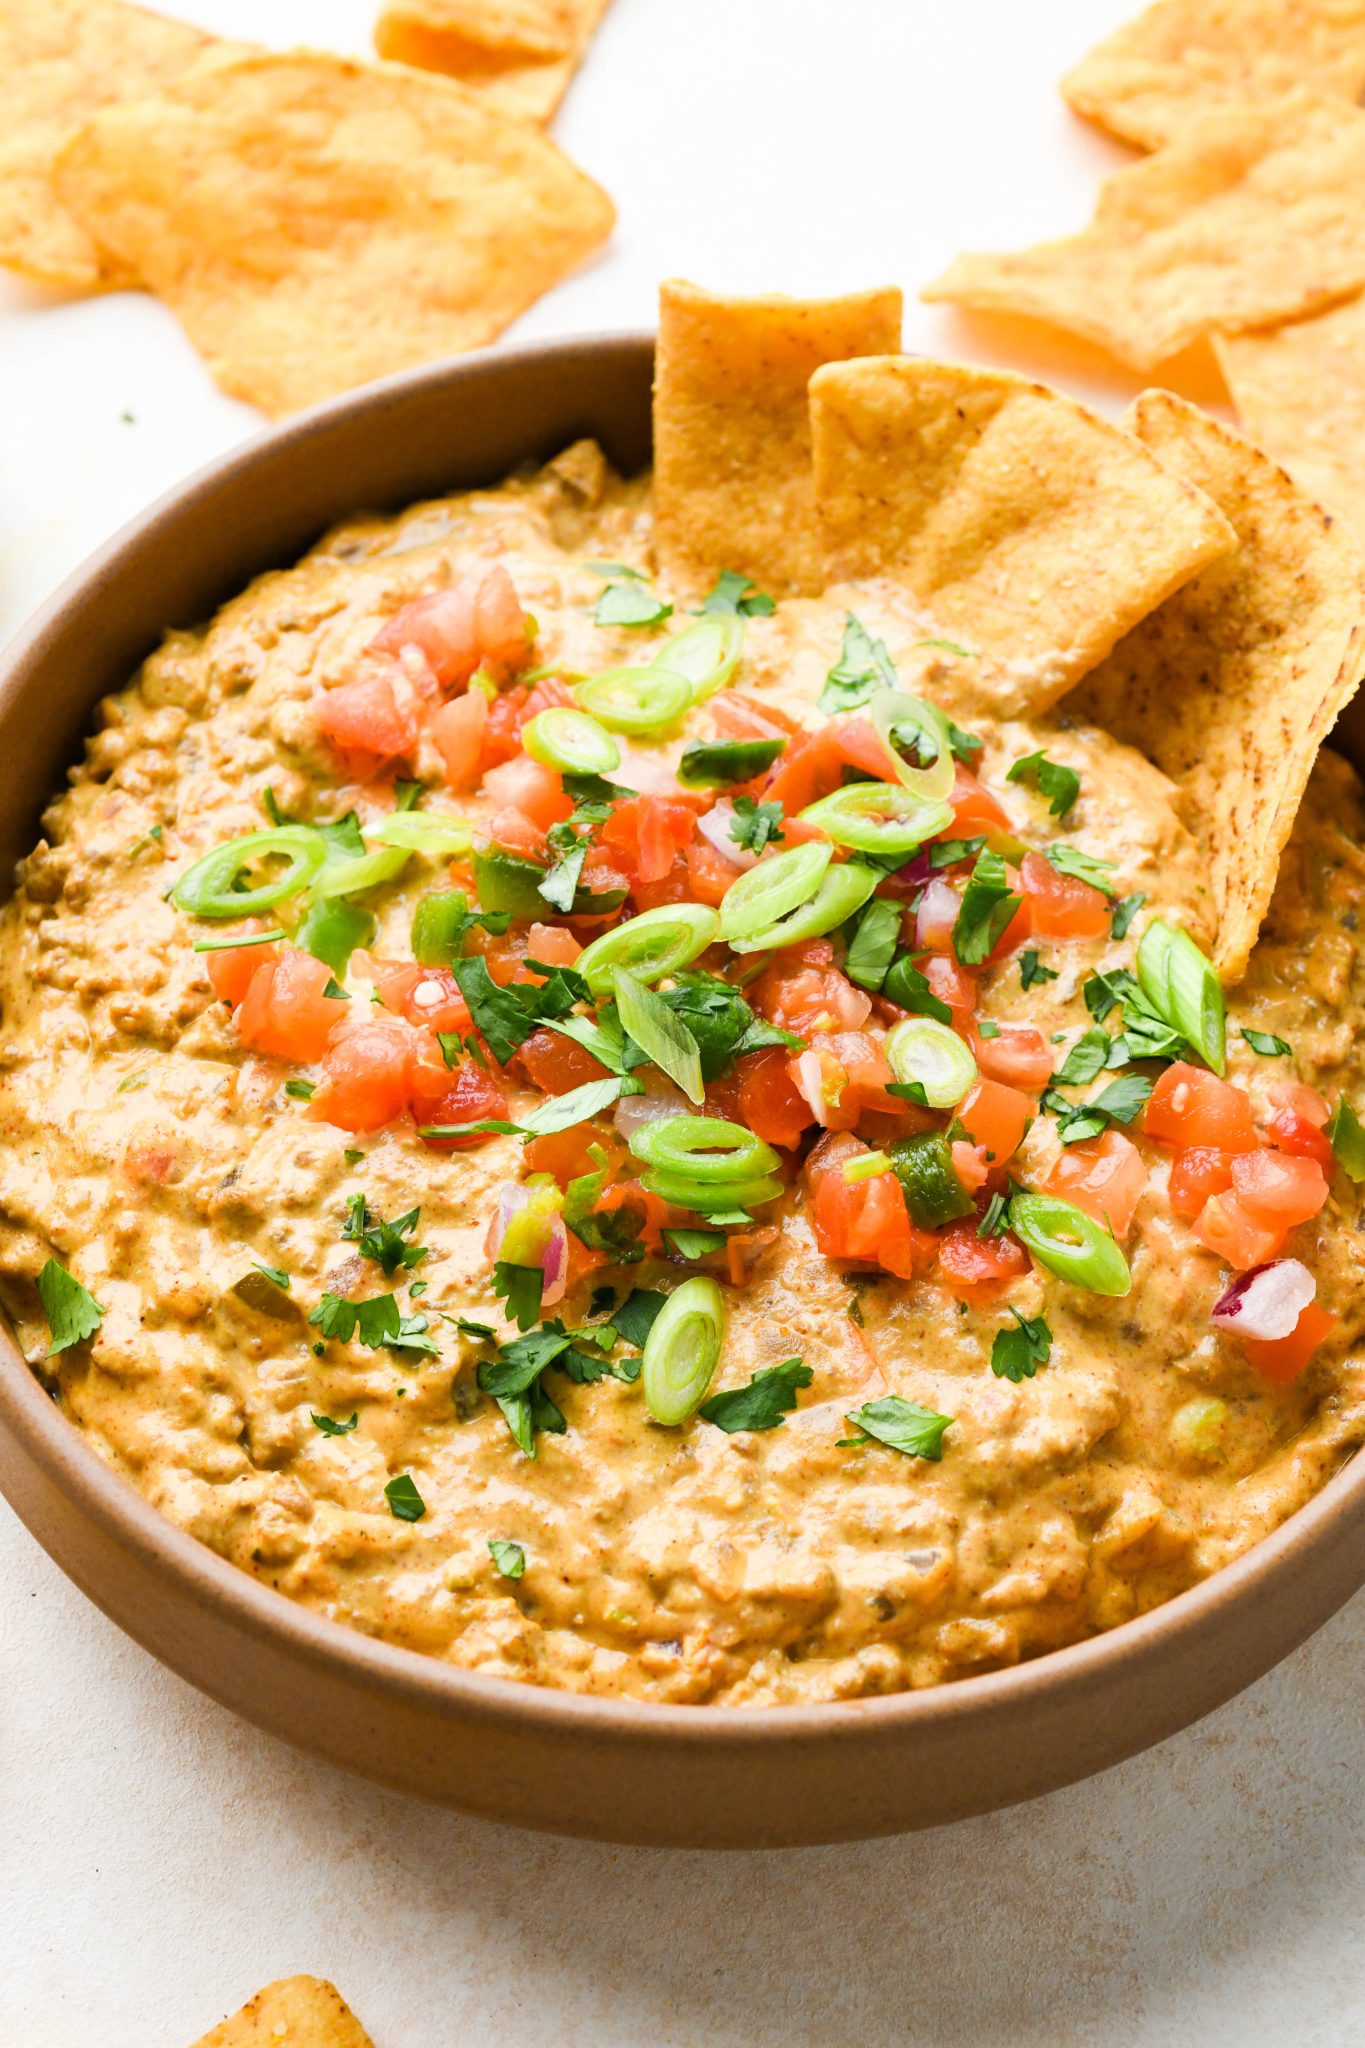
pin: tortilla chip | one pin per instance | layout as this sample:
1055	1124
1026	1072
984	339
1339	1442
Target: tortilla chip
1233	685
60	62
1032	529
732	473
1300	393
315	223
296	2012
520	54
1256	214
1148	80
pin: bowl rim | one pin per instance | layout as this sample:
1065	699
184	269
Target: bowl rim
69	1460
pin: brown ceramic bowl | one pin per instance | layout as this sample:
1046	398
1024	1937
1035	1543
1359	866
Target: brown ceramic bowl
693	1776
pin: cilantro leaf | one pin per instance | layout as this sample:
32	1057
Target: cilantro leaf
1266	1042
995	1219
509	1559
1118	1103
1061	786
755	825
863	668
733	593
908	988
899	1424
1031	969
988	904
72	1313
695	1244
636	1316
631	603
1346	1135
769	1396
1125	910
873	945
405	1502
1017	1354
521	1288
386	1243
1087	1057
506	1017
301	1091
963	744
560	884
330	1428
946	853
276	1274
1082	867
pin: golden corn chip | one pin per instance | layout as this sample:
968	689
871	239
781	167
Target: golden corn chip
1300	393
315	223
521	54
60	62
296	2012
1145	82
1256	214
1032	529
1233	685
732	472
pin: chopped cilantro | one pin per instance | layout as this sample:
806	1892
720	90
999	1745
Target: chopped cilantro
995	1221
1082	867
1347	1137
630	603
1125	910
330	1428
506	1016
695	1244
946	853
755	825
769	1396
335	992
720	1021
72	1313
560	885
988	904
276	1274
1266	1042
509	1559
1031	969
483	1331
949	647
386	1243
1118	1103
734	593
352	1156
1017	1354
863	668
520	1287
873	944
963	744
405	1502
1061	786
302	1091
899	1424
909	989
635	1318
1087	1057
987	1028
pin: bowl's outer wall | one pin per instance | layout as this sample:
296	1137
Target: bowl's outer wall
618	1771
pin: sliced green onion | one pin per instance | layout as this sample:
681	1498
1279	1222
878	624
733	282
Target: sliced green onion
663	1040
1069	1243
682	1351
715	764
924	1167
437	833
331	932
508	881
230	941
706	654
894	711
438	927
635	700
208	889
570	741
779	884
924	1052
878	817
656	943
728	1204
843	890
362	871
710	1151
866	1166
1181	985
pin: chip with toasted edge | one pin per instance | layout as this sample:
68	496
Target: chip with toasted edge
1255	214
1233	685
732	469
1031	529
60	62
1300	394
315	222
295	2012
521	54
1147	81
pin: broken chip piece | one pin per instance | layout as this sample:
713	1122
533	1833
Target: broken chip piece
520	54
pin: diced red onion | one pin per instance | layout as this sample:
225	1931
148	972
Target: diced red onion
937	911
714	826
554	1256
1266	1302
917	873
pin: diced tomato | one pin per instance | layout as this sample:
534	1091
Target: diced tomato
978	1268
513	831
744	1249
556	1064
552	945
501	738
1196	1173
652	1215
284	1010
953	985
1304	1101
863	1220
970	1164
365	1071
1061	906
809	998
478	619
1284	1358
644	836
567	1154
231	970
1290	1131
1277	1188
1230	1231
1103	1176
462	1094
1020	1056
709	874
975	810
535	791
813	767
868	1072
741	717
364	716
673	887
457	730
770	1103
424	995
995	1118
1189	1107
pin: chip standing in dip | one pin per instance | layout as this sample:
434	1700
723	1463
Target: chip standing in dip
643	1133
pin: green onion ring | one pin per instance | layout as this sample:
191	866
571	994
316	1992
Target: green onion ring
570	741
894	708
656	943
362	871
1069	1243
635	700
206	889
922	1051
706	1149
778	884
705	655
843	890
682	1351
681	1193
878	817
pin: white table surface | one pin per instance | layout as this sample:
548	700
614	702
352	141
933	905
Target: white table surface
159	1860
